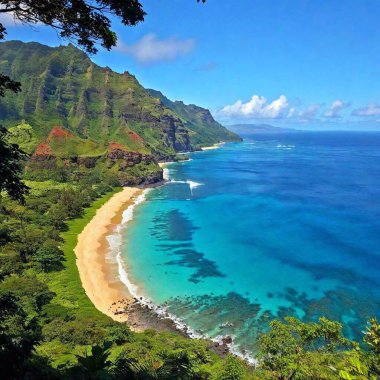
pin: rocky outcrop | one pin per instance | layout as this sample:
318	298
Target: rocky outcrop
149	171
117	153
87	161
177	135
149	179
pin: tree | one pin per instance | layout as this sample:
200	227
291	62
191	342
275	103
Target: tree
96	362
11	158
57	215
231	369
10	155
6	83
18	335
297	350
372	338
49	257
177	365
85	21
72	203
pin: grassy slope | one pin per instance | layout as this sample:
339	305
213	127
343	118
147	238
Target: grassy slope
66	283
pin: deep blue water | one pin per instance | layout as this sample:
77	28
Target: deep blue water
285	224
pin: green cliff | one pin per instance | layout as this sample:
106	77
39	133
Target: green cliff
203	129
73	115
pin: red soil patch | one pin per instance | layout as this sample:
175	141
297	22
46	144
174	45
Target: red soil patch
115	146
43	149
135	136
59	132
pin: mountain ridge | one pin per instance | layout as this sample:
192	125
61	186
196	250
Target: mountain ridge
62	88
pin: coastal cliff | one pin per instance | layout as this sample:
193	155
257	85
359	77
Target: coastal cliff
74	116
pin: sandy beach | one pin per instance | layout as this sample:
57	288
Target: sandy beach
99	277
99	274
215	146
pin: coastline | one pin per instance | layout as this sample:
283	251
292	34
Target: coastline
104	276
214	146
103	289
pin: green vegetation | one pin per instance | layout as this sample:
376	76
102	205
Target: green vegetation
48	326
49	329
11	158
74	117
62	86
204	130
110	131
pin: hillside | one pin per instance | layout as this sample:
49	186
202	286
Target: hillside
204	130
75	116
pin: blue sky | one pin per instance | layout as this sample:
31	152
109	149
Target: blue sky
307	64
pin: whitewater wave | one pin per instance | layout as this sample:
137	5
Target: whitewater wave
192	184
166	174
288	147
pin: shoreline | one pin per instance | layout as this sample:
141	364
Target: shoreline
105	279
95	269
100	270
214	146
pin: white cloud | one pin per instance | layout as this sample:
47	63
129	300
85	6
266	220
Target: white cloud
308	114
335	108
151	49
257	107
372	109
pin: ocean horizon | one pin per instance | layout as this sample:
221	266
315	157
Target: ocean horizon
277	225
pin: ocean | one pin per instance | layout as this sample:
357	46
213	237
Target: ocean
277	225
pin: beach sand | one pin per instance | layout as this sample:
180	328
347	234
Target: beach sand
99	276
215	146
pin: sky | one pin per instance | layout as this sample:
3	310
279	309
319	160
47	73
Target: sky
308	64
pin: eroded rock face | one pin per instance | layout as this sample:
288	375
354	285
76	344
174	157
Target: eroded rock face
88	162
149	179
124	159
177	135
127	159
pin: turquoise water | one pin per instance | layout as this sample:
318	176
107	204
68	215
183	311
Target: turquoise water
277	225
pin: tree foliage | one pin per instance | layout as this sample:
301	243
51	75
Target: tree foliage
87	22
18	336
298	350
11	167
